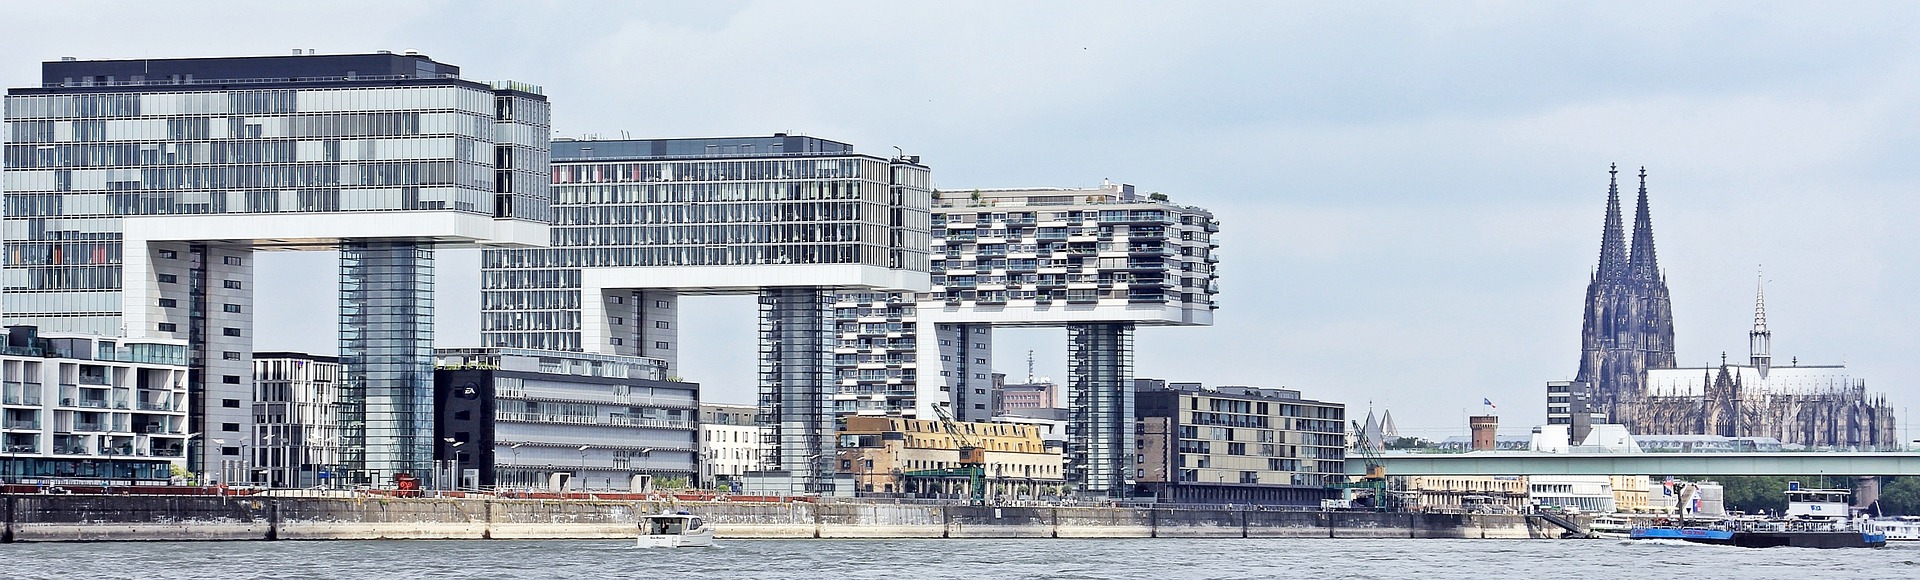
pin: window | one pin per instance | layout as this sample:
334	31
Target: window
662	304
169	303
662	324
229	355
169	254
229	450
230	379
235	308
168	278
230	331
616	300
658	344
230	403
229	427
234	284
169	327
980	361
616	341
616	321
232	260
463	415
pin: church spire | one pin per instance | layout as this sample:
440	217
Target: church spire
1645	266
1613	244
1760	340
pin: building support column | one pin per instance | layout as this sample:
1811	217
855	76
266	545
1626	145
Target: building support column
386	360
1100	408
796	386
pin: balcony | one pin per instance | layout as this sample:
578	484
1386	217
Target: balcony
23	424
155	406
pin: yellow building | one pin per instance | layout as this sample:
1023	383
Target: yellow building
1463	493
1631	493
883	455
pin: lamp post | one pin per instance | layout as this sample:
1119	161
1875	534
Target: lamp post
583	466
516	464
226	465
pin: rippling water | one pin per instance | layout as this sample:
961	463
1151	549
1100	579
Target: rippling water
923	559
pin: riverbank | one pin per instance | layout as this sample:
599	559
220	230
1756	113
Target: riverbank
41	518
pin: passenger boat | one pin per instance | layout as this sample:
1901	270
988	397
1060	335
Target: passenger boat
1815	518
1899	528
676	530
1612	526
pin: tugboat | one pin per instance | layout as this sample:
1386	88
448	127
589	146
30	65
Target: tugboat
676	530
1815	518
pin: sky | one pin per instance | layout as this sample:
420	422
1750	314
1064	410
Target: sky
1410	194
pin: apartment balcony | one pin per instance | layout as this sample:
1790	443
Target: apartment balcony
28	399
155	406
23	424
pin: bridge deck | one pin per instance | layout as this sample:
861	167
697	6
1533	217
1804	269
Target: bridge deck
1782	463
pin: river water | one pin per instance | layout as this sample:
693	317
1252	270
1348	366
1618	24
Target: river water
973	559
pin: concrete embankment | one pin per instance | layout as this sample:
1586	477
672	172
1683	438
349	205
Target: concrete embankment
134	517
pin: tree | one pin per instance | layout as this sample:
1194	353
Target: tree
1900	496
1157	196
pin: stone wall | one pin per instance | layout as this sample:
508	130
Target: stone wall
131	517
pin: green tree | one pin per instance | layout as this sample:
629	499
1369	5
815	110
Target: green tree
1756	494
1900	496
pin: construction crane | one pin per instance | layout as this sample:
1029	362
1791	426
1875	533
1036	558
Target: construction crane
1375	479
972	464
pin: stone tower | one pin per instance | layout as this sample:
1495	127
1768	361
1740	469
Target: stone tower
1628	326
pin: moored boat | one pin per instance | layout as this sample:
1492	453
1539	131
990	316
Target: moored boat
1815	518
1899	528
677	530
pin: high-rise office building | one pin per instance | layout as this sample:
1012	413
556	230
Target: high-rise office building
792	219
137	192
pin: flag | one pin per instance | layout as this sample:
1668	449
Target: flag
1489	403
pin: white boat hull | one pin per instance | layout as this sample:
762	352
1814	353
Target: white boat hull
696	539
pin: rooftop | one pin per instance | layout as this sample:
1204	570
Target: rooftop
776	145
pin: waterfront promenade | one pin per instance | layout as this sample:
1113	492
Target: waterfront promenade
43	517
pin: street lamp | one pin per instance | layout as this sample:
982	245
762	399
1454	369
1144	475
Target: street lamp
516	463
583	466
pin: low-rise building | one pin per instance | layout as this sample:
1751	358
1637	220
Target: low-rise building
1631	493
1462	493
1034	394
90	409
921	458
1232	444
296	435
1588	493
729	444
515	418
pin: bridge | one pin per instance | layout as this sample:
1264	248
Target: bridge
1511	463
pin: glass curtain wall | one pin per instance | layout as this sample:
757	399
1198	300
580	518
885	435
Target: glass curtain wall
386	358
796	366
1100	425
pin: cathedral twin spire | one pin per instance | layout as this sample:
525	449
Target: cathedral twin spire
1616	264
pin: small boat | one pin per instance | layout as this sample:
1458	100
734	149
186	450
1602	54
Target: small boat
676	530
1611	526
1899	528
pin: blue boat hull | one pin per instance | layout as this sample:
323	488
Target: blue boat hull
1836	539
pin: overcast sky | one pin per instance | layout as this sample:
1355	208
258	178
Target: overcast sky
1410	193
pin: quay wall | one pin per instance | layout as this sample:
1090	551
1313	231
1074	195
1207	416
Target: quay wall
149	517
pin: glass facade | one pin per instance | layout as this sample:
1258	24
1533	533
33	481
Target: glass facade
1100	419
386	359
796	365
101	142
643	203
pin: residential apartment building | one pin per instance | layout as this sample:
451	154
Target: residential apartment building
1097	261
1023	396
296	430
729	444
789	218
1243	445
563	421
921	458
89	409
138	190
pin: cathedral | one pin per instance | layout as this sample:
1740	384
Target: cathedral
1628	373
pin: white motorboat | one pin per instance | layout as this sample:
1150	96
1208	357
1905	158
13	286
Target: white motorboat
677	530
1611	526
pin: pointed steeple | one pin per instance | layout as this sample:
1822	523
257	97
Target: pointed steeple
1645	265
1613	243
1760	340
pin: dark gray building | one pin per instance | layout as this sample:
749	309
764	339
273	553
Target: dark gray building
524	419
1240	445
